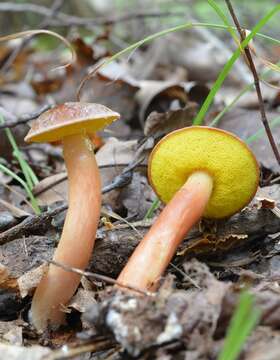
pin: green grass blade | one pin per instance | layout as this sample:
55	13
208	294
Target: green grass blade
260	133
215	121
224	19
28	173
244	319
163	33
247	88
152	209
33	201
226	69
226	27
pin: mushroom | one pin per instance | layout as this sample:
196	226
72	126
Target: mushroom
71	123
198	171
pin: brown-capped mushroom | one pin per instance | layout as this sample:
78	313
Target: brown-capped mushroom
198	171
71	123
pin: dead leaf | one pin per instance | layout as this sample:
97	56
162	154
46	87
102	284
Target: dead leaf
11	331
29	281
82	300
263	344
137	197
51	189
13	352
245	123
112	86
116	152
159	96
24	254
159	124
14	336
6	280
141	322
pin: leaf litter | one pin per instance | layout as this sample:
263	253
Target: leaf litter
189	316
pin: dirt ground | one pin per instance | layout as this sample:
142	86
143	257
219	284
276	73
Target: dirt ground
160	88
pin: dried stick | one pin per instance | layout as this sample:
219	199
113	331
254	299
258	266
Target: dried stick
62	19
104	278
256	82
70	353
22	119
57	4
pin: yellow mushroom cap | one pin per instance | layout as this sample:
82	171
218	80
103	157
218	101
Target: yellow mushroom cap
224	156
69	119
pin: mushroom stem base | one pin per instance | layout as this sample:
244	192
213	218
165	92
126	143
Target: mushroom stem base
151	257
78	235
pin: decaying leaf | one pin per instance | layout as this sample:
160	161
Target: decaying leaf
13	352
29	281
245	123
159	96
139	323
137	197
11	332
159	124
113	87
6	280
82	300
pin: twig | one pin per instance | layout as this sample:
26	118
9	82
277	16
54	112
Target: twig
62	19
44	24
104	278
252	224
124	178
38	223
19	195
69	353
186	276
256	82
22	119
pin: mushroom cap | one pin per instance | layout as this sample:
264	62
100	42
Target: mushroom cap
69	119
224	156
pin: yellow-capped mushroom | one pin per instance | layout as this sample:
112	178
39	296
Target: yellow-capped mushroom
198	171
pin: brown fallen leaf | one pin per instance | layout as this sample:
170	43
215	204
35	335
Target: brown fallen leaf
114	87
82	300
6	280
158	96
159	124
263	344
28	282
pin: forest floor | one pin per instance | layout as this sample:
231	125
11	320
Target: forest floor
158	90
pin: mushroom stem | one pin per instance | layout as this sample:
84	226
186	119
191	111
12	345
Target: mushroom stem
78	235
152	256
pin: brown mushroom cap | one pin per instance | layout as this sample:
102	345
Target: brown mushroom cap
70	119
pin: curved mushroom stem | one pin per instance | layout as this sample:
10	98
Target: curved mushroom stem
152	256
78	235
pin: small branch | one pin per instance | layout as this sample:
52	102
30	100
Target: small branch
104	278
70	353
44	24
62	19
22	119
125	177
34	223
256	82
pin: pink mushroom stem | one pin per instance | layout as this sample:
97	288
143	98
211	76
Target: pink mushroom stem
152	256
78	235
